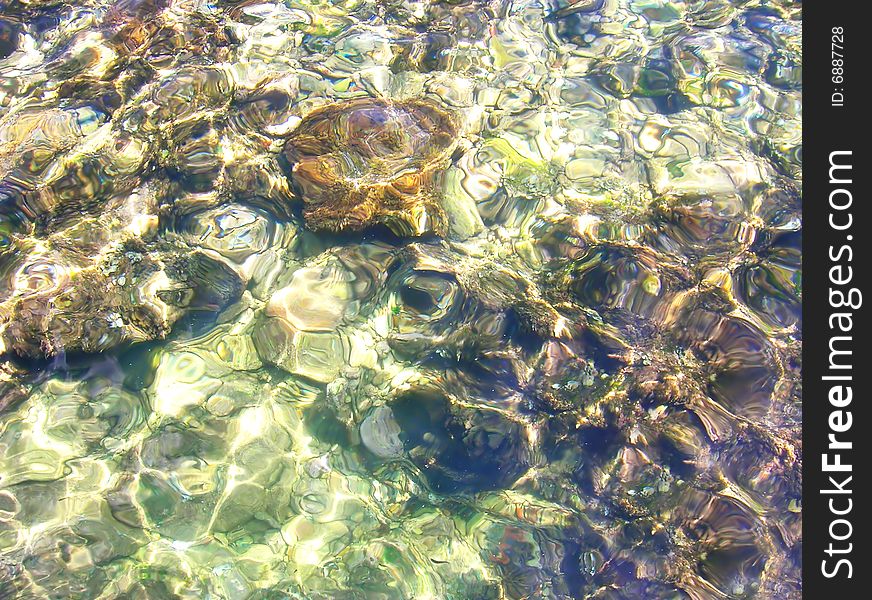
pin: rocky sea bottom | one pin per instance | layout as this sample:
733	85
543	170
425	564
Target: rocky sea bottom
461	300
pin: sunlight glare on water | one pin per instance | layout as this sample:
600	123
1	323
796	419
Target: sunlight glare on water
461	300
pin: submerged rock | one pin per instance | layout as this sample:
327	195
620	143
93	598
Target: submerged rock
64	304
9	38
300	333
460	448
369	161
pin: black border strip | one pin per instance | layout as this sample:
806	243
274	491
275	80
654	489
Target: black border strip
831	126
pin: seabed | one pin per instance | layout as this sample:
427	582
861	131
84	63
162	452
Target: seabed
431	300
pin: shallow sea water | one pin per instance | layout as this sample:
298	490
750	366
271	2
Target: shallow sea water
380	300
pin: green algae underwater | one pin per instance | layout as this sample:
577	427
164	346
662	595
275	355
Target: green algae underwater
461	300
